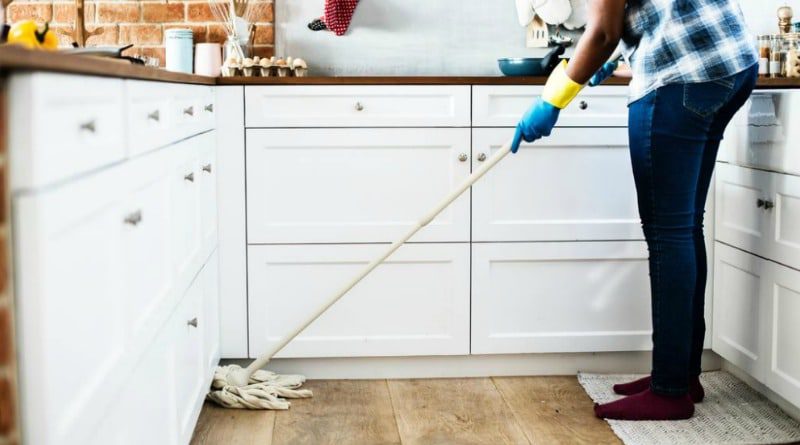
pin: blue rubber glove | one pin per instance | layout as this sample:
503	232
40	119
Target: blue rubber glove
538	121
603	73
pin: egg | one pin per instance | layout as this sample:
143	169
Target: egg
299	63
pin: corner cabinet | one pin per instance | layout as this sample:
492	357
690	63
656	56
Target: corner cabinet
115	259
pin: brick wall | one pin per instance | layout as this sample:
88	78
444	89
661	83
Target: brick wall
143	22
8	374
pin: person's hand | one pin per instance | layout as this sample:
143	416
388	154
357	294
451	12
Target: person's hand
605	71
538	121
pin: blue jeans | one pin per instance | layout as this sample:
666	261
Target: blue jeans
674	134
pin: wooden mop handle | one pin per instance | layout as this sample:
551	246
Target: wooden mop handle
424	221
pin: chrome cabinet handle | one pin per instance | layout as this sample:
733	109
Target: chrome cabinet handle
154	116
463	157
768	205
189	111
89	126
207	168
482	157
189	177
192	322
359	106
134	218
209	108
583	105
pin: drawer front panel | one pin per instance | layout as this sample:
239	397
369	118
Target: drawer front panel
354	185
574	185
785	221
60	128
416	303
526	298
783	373
763	133
358	106
503	105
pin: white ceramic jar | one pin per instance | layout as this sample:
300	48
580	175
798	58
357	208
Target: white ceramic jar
178	43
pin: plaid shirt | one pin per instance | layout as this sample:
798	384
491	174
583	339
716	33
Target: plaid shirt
684	41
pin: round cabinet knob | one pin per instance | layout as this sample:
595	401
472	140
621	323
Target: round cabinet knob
482	157
134	218
154	116
189	177
209	108
768	205
192	322
359	106
207	168
189	111
463	157
583	105
760	203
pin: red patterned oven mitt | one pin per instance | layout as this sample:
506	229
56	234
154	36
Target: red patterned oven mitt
338	14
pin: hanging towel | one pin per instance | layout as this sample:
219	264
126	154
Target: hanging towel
338	14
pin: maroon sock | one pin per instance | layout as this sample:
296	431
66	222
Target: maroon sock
647	405
696	391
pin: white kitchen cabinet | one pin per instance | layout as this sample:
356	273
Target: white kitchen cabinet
741	219
740	309
417	303
354	185
560	297
574	185
503	105
188	325
59	128
783	303
206	180
784	221
357	106
185	222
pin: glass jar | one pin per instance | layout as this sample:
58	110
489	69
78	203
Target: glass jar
776	57
763	55
791	61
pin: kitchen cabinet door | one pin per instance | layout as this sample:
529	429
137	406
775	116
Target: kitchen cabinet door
740	309
785	221
416	303
574	185
72	321
560	297
741	198
354	185
187	327
207	192
211	327
783	300
185	219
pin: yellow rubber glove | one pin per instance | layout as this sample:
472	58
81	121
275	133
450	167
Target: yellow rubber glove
560	89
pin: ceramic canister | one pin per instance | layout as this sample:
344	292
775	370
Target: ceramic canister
179	50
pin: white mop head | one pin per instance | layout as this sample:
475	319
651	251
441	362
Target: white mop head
266	390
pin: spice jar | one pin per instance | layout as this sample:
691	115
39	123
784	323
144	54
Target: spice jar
776	57
763	55
792	59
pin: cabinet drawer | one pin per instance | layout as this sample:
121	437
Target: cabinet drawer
526	297
354	185
503	105
575	185
417	303
61	127
763	135
358	106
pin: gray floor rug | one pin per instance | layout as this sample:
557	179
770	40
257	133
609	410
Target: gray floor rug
732	413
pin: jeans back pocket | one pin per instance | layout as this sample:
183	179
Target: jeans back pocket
706	98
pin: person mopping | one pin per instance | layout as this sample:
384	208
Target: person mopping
693	66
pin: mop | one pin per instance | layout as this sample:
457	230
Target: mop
255	388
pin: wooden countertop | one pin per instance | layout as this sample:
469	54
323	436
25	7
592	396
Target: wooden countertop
15	58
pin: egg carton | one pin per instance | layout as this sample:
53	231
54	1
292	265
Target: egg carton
263	67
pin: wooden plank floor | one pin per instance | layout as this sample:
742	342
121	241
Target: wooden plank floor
502	410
